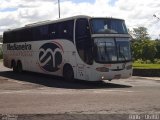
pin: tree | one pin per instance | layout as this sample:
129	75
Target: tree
145	50
140	33
157	42
137	49
149	50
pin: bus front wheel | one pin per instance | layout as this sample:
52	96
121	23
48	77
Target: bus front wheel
68	73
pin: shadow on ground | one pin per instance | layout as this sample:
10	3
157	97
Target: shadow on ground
58	82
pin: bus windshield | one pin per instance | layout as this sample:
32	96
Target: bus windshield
108	26
110	50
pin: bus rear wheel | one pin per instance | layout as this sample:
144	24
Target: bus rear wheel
19	67
68	73
13	64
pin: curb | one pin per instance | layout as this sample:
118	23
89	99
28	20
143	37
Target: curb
146	72
147	78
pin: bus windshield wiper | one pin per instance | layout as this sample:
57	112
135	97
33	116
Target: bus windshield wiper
121	54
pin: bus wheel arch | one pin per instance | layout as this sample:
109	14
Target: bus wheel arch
19	66
68	73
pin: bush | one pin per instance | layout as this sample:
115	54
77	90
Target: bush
156	61
145	61
139	61
148	62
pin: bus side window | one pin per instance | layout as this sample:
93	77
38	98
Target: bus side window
68	30
36	33
13	36
8	37
83	40
4	37
61	30
44	32
29	35
53	31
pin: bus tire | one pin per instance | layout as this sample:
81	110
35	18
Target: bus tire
68	73
13	65
19	67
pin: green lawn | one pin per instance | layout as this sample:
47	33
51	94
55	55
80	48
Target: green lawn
146	66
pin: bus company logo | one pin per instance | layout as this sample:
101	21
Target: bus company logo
50	56
15	46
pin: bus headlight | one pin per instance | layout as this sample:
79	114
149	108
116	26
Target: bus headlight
129	67
102	69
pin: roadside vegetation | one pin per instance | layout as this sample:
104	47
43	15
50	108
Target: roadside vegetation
145	51
146	66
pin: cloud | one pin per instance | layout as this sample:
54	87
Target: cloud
17	13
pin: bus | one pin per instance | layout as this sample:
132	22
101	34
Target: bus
79	47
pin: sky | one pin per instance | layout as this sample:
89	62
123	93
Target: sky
136	13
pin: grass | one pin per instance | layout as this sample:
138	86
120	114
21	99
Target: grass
146	66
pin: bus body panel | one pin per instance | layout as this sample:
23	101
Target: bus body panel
30	61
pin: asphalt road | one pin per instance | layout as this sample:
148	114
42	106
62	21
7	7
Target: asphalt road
35	96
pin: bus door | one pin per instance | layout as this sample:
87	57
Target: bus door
84	66
81	71
84	48
73	59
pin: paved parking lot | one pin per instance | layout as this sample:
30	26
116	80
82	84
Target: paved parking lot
30	93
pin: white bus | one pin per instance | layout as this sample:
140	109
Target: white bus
80	47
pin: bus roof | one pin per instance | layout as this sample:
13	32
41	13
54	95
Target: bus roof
47	22
54	21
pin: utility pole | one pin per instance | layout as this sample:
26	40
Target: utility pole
59	9
158	19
